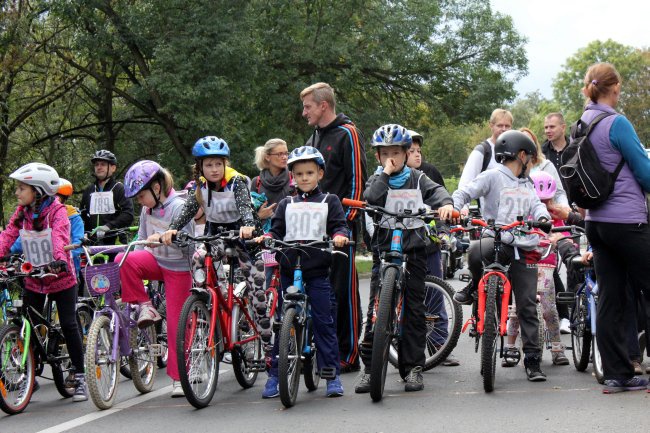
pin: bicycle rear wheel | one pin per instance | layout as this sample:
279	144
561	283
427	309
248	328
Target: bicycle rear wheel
289	358
141	360
161	335
311	374
489	338
580	333
62	368
16	378
101	371
244	356
198	363
383	334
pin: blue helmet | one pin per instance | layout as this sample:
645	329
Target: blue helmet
392	135
306	153
210	146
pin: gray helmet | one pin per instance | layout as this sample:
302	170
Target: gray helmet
41	176
416	136
510	143
104	155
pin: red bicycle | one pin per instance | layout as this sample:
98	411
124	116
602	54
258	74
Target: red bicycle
217	317
490	306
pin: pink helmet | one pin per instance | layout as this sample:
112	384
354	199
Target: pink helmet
545	185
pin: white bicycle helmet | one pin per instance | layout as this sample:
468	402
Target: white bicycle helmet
41	176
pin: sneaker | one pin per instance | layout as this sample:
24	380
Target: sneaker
271	389
559	358
451	361
334	387
464	296
414	380
565	326
647	370
633	384
638	369
533	370
80	391
363	387
177	389
227	358
148	316
36	386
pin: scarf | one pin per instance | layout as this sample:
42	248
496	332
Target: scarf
275	187
396	180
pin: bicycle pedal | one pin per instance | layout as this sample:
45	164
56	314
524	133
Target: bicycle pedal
256	365
328	373
565	298
295	296
155	349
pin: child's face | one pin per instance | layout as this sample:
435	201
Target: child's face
145	198
25	194
395	153
213	169
414	156
307	174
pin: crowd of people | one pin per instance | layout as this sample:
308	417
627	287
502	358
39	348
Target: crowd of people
510	174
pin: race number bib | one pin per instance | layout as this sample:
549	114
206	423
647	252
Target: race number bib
400	199
223	207
306	221
37	246
514	202
170	252
101	203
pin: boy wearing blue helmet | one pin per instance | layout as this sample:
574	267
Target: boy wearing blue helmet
327	217
392	143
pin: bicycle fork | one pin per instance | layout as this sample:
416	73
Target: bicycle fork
505	297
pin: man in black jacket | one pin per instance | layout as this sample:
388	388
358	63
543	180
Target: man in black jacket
103	204
556	140
342	145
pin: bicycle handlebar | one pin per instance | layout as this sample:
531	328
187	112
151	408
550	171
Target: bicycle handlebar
407	213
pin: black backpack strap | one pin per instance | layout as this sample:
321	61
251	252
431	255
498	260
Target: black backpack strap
485	148
593	123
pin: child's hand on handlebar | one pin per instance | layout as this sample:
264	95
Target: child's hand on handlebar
166	237
340	241
587	257
246	232
260	239
155	239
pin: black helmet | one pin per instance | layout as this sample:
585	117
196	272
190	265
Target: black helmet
510	143
104	155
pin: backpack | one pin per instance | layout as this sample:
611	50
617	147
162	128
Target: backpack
588	184
485	148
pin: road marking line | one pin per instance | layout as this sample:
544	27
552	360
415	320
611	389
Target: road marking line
68	425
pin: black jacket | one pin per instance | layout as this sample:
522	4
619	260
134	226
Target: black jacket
315	263
432	173
555	157
343	148
123	216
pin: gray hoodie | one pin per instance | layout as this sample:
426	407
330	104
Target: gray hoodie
491	185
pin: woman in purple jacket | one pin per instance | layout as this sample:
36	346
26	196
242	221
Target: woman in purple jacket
618	229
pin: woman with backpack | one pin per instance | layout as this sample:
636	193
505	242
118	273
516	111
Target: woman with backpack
617	229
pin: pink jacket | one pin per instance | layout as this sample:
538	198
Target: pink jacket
56	217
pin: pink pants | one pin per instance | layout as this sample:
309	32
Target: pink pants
142	265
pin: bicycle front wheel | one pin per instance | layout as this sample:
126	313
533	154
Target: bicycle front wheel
489	339
16	377
142	363
289	358
383	334
101	371
580	333
198	363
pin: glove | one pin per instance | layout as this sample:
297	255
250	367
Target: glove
58	266
100	231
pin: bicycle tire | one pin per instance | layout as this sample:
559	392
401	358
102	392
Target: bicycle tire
383	334
241	330
489	338
289	358
101	372
141	359
198	364
161	336
597	361
60	368
16	381
445	266
580	334
311	375
434	356
541	331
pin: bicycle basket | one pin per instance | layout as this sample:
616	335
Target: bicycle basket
102	279
269	259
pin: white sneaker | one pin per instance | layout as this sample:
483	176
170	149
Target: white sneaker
565	326
177	389
227	358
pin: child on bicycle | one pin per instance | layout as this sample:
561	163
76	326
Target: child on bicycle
507	194
308	167
224	196
546	187
43	225
392	143
153	188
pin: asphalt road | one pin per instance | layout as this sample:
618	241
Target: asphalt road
452	401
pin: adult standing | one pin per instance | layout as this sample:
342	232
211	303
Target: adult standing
103	204
342	145
556	139
618	229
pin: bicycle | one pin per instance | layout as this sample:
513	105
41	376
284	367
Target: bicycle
114	334
28	340
10	290
388	303
491	301
297	348
215	319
